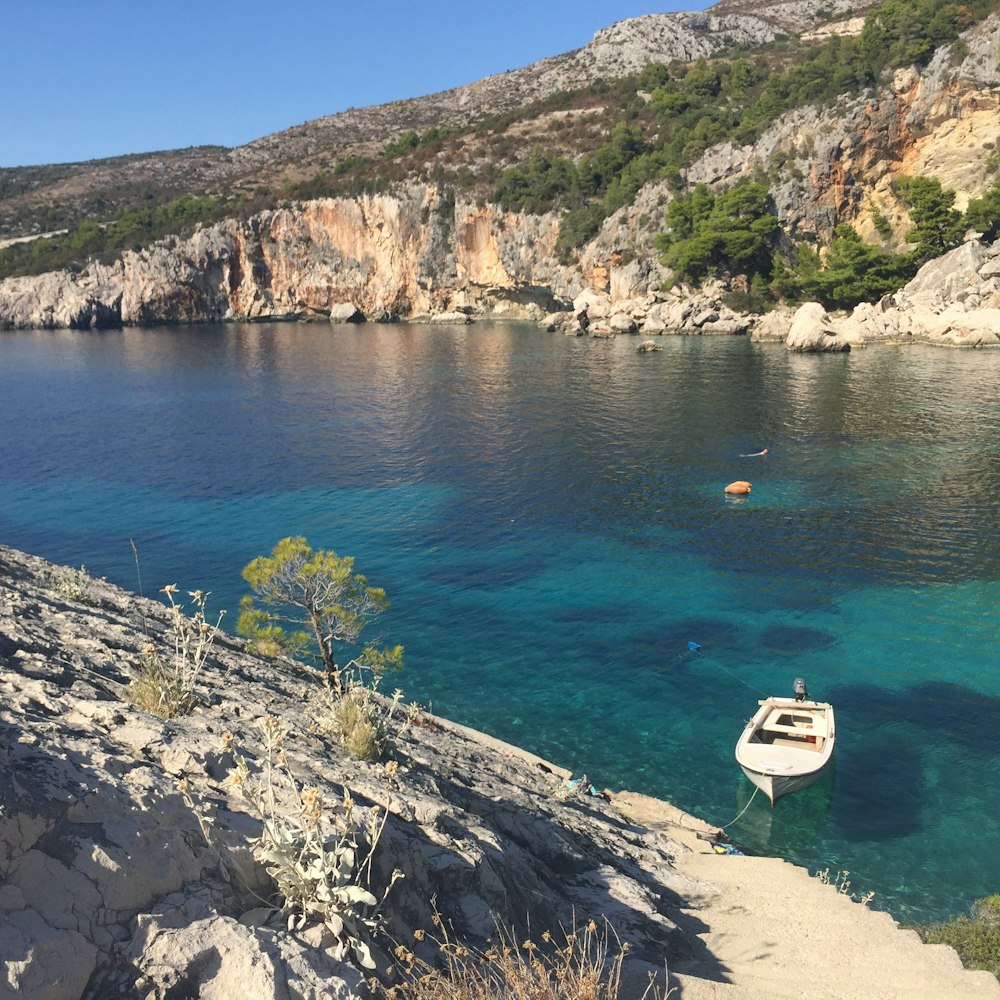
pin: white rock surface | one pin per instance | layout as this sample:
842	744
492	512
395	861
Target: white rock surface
811	331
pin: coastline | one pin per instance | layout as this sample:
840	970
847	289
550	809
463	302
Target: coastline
109	884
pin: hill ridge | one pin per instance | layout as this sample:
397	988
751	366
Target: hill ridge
619	49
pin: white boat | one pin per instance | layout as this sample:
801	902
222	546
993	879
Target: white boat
786	745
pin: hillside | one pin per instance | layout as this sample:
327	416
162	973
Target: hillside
41	199
684	196
129	866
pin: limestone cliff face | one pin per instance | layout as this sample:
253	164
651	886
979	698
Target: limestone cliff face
827	166
414	252
837	165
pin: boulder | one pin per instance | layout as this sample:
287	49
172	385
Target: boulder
622	322
939	281
703	316
653	324
960	328
216	958
812	331
675	312
630	281
562	322
454	317
346	312
590	302
991	267
727	323
773	327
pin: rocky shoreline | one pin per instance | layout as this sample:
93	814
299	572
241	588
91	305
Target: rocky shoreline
126	851
953	301
110	888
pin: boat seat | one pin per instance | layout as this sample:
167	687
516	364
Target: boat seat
802	724
799	744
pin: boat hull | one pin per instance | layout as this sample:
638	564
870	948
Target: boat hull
776	785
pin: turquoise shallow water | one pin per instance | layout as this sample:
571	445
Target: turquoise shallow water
547	516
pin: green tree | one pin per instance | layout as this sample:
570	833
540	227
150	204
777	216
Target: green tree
983	214
702	79
733	231
937	225
856	271
319	592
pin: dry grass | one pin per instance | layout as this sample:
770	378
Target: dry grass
581	966
165	685
360	720
71	584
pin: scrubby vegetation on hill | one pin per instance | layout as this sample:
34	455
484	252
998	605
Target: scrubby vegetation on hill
651	126
133	229
735	233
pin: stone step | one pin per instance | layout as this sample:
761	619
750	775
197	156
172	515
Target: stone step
774	931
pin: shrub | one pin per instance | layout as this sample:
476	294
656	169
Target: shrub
318	854
360	720
165	686
976	938
72	584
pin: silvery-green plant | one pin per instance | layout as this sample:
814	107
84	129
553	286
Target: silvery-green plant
319	854
72	584
165	685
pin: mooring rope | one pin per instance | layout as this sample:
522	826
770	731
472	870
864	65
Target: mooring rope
735	676
695	647
745	808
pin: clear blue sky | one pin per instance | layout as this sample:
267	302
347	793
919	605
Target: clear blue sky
90	78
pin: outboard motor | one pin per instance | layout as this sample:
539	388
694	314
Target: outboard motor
799	687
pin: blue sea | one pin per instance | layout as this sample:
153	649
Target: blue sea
547	515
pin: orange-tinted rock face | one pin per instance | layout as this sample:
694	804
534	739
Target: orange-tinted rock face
477	253
417	250
403	254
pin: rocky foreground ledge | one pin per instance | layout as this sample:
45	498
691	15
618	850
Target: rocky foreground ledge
110	888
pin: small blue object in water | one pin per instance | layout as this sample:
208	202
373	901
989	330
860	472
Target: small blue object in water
694	646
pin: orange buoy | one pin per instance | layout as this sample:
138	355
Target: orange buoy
739	487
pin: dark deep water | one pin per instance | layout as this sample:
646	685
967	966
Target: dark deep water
547	516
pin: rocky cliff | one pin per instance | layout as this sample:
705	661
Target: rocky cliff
421	251
110	887
127	845
408	253
622	48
